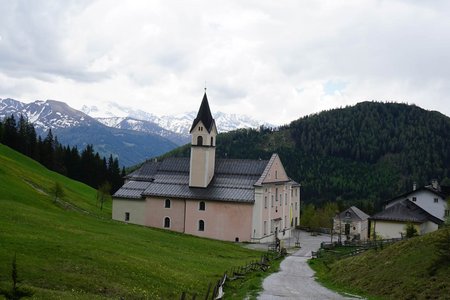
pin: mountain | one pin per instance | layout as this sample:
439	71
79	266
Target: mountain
111	114
75	128
46	114
144	126
362	154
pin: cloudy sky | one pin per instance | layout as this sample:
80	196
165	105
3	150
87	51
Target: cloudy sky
274	60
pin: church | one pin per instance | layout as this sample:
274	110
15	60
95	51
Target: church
225	199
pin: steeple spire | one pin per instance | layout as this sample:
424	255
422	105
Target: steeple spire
204	115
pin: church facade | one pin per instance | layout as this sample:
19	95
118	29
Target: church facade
224	199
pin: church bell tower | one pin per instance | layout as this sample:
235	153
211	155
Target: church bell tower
203	147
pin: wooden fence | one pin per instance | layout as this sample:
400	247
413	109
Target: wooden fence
360	246
235	273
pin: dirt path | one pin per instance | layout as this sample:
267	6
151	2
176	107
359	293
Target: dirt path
295	280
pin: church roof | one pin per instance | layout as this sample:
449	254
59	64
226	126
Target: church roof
204	115
234	180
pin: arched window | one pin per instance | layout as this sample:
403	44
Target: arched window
199	141
201	225
212	141
167	203
166	222
201	205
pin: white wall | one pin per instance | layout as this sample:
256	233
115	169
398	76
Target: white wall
136	208
389	230
425	200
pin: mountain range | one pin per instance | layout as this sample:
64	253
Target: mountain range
132	135
118	116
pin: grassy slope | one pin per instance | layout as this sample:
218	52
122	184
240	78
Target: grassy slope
64	253
400	271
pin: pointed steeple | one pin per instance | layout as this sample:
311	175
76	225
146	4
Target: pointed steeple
204	115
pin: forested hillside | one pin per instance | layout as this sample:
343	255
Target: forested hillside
362	155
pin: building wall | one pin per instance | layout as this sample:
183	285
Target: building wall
389	230
276	202
427	227
156	212
223	220
258	214
425	200
136	209
357	228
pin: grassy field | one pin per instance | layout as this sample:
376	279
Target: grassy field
405	270
67	253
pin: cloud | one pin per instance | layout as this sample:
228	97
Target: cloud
275	60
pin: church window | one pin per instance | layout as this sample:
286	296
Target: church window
276	174
127	216
212	141
285	198
201	205
276	194
200	141
166	222
167	203
201	225
272	201
265	227
265	201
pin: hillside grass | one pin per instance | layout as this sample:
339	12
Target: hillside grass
404	270
67	253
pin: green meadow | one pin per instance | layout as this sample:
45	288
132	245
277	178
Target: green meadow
73	250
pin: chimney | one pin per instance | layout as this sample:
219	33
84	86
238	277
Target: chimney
435	184
414	186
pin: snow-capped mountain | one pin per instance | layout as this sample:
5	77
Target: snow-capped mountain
75	128
112	114
144	126
45	114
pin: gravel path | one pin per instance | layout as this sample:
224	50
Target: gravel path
295	280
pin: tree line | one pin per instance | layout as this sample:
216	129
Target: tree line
86	166
360	155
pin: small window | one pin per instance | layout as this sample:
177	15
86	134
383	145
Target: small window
212	141
276	194
199	141
272	201
127	216
201	205
166	222
265	201
201	225
414	199
265	227
436	200
167	203
285	198
276	174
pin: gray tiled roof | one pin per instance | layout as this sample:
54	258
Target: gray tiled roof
233	180
355	213
405	211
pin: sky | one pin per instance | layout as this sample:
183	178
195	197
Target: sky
273	60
